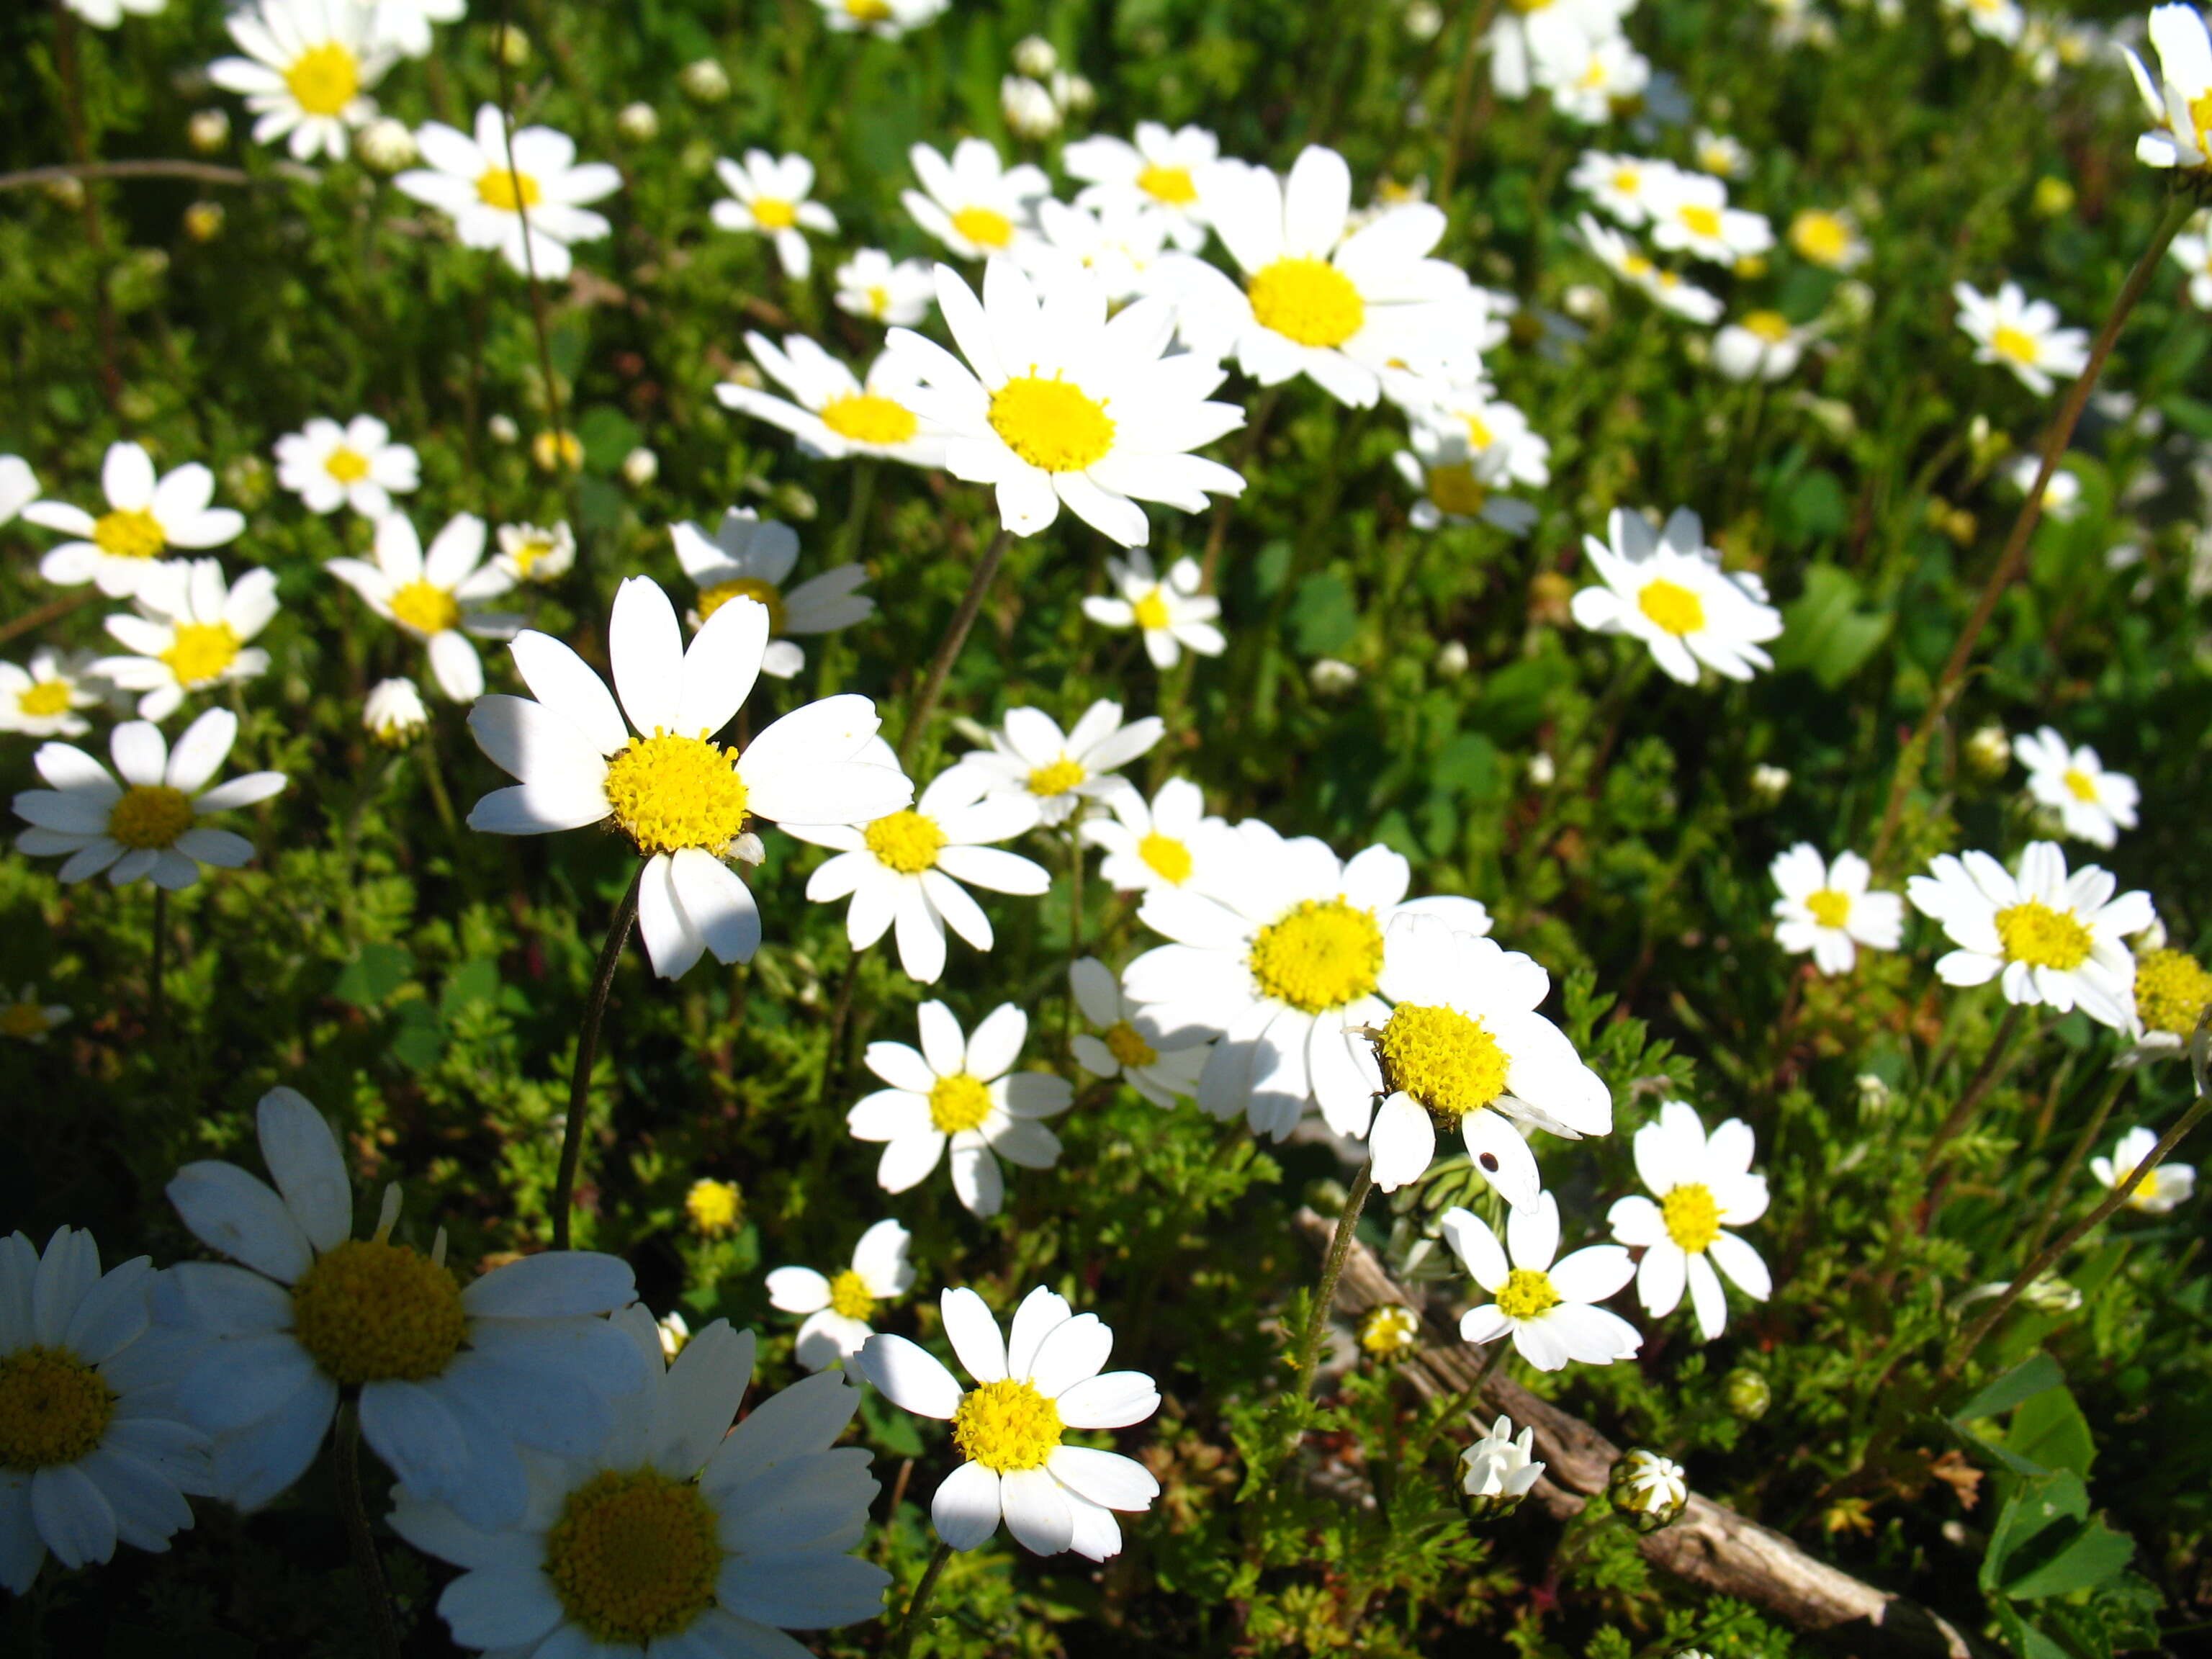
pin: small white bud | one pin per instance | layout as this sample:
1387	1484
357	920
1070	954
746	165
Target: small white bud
1329	675
1034	56
208	129
385	145
641	467
639	123
1028	108
706	81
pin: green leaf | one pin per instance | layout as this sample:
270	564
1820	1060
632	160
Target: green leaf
470	982
2050	1506
2051	1429
1323	616
2024	1639
1825	633
374	975
2032	1377
608	436
2090	1555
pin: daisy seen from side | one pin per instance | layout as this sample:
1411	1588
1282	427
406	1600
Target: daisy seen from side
1458	484
1155	172
534	553
2092	804
1167	611
1761	345
974	203
1690	214
1547	1306
887	20
529	202
768	197
2162	1192
1061	772
1700	1186
870	284
837	1308
752	558
328	466
307	72
1622	187
147	517
2179	97
1669	290
188	634
1829	237
1666	588
1159	1064
40	699
437	597
832	413
1826	910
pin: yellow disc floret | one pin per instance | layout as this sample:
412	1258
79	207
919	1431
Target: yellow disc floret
1165	857
1671	607
714	1207
1126	1044
2171	991
1151	612
1456	491
1323	953
958	1104
1056	778
2014	344
770	214
711	599
1821	237
1308	301
1449	1063
1830	908
44	699
506	190
2079	785
907	842
1770	326
323	79
985	226
425	609
128	533
2033	932
1006	1426
633	1556
199	652
669	793
867	418
850	1297
1700	220
149	815
370	1311
1173	185
1052	423
1692	1218
347	465
1527	1293
53	1408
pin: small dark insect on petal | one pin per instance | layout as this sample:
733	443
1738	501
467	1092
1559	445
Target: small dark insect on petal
1489	1161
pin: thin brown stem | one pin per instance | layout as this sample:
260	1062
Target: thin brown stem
2064	1178
948	652
1984	1079
368	1571
39	615
205	172
587	1049
96	234
1462	83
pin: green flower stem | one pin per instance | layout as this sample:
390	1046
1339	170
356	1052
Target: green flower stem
587	1046
902	1643
2086	1139
156	997
948	652
1340	1246
346	1454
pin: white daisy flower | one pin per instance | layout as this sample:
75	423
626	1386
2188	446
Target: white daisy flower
1826	910
1283	956
1523	34
964	1092
1159	1064
869	284
2164	1190
2046	937
677	1534
1320	299
1593	79
93	1452
1028	108
1652	1485
358	465
1718	154
2001	21
1703	1186
1667	289
1666	588
1464	1048
405	24
534	553
974	204
2179	98
2020	334
685	802
1546	1306
42	700
393	713
1828	237
146	518
1057	404
106	14
1162	843
1032	1385
19	487
1458	484
1499	1469
438	597
1168	610
1496	431
887	20
1030	757
836	415
190	634
1120	247
770	196
1154	173
488	195
837	1310
749	559
2092	804
27	1019
451	1381
1761	345
2062	496
1624	188
307	72
905	871
149	823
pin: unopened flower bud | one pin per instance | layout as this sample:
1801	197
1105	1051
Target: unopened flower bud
503	429
1034	55
639	123
385	145
512	45
203	221
705	82
641	467
1451	660
1747	1393
1989	751
1496	1472
1769	783
1028	108
1648	1491
394	714
1329	675
1389	1333
208	129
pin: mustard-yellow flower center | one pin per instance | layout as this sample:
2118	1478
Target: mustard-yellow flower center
2171	991
1151	612
323	79
44	699
1449	1062
985	226
714	1207
347	466
130	532
1692	1217
1057	778
200	652
866	418
1308	301
1456	492
1527	1293
1126	1044
370	1311
711	599
634	1556
1323	953
669	793
506	190
1389	1331
906	841
1165	857
2033	933
771	214
849	1296
53	1408
149	815
1173	185
1830	908
958	1104
425	609
1006	1426
1052	423
1671	607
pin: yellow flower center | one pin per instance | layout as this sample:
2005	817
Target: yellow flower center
670	791
849	1296
1671	607
1821	237
1152	611
2171	991
555	450
1691	1219
1006	1426
425	609
1057	779
634	1556
53	1408
879	301
1308	301
1456	490
2015	345
369	1311
1527	1293
149	815
1627	180
347	465
1389	1331
1449	1063
958	1104
1052	424
526	556
1323	953
1127	1045
201	651
2080	784
866	418
2200	118
714	1207
770	214
2041	937
506	190
1770	326
711	599
26	1020
985	226
1166	858
1700	220
45	698
128	533
1173	185
1479	436
1830	908
906	841
324	79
